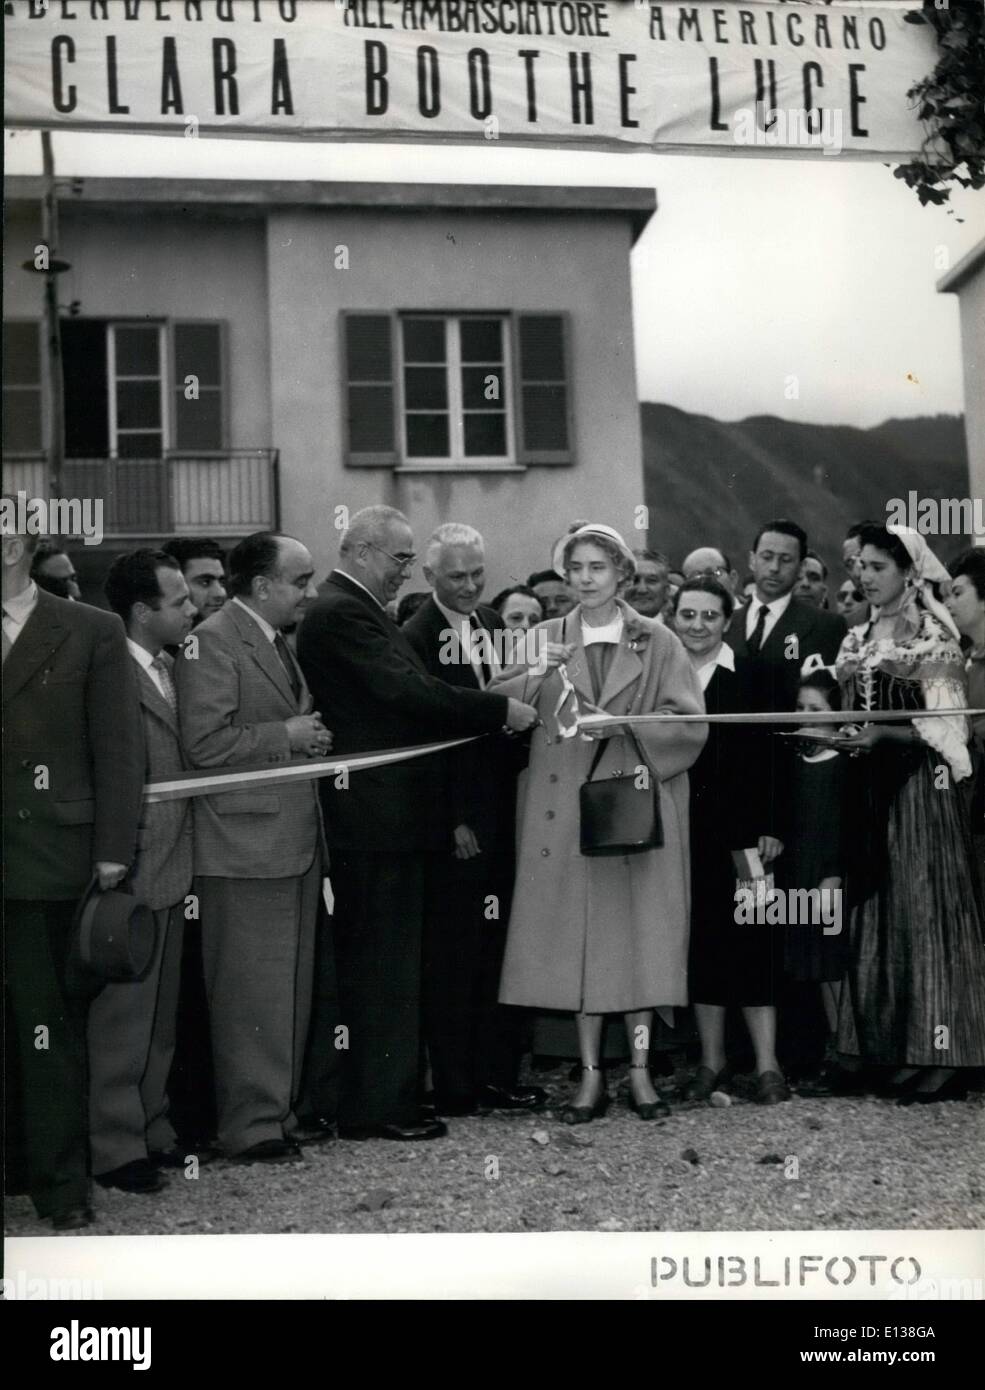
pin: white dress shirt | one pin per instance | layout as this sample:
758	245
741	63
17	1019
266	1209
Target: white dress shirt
17	610
144	660
269	632
461	625
774	612
724	657
353	580
610	632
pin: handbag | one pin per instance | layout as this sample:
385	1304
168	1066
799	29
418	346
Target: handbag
617	816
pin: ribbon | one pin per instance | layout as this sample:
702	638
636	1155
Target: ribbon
248	778
828	716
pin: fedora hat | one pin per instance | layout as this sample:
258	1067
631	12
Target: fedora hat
114	936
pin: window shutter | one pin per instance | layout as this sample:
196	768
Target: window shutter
199	422
22	428
544	389
369	390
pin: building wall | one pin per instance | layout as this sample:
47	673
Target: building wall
406	260
160	264
972	297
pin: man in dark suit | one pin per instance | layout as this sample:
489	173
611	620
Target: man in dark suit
781	636
473	1041
73	773
242	701
779	633
376	694
132	1025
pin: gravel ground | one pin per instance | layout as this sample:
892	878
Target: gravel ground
863	1164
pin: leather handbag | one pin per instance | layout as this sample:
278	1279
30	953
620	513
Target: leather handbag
617	815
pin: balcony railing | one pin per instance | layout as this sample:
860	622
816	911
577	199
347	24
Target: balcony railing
223	493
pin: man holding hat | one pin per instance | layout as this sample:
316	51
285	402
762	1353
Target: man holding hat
132	1024
73	772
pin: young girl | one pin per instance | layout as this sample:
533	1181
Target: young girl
818	951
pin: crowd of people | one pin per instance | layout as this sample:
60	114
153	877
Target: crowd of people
369	952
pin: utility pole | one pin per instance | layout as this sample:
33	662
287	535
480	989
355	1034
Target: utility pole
53	331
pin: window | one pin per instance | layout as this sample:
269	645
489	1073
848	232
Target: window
137	426
22	432
198	395
456	394
464	390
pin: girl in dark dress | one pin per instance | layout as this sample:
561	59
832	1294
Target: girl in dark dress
813	855
915	996
728	964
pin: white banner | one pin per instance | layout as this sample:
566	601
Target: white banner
758	78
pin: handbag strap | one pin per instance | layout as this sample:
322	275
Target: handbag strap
602	747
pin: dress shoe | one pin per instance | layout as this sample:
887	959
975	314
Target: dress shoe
954	1088
583	1114
648	1109
771	1088
177	1156
512	1097
314	1129
72	1219
270	1151
703	1082
422	1128
139	1175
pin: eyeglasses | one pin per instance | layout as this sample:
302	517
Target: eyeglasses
850	596
718	573
405	562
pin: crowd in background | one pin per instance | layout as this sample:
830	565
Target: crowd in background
367	954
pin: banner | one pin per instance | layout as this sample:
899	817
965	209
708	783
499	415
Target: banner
621	74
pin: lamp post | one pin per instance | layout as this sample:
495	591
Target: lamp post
53	331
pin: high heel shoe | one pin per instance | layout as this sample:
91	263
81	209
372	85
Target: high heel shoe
954	1088
582	1114
647	1109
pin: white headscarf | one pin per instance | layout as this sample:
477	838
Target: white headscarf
926	569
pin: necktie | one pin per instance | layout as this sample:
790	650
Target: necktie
167	684
476	647
759	631
287	661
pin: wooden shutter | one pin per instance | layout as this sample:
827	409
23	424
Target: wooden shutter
543	389
22	404
369	395
199	424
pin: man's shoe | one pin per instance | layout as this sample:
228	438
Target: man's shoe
178	1155
139	1175
313	1129
704	1082
270	1151
512	1097
771	1088
73	1219
422	1128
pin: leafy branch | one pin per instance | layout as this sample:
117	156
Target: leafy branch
951	104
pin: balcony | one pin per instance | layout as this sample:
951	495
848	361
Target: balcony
230	492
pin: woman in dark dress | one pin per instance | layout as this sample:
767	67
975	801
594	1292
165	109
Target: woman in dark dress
915	996
966	605
728	963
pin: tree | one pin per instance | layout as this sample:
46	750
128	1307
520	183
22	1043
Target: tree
951	104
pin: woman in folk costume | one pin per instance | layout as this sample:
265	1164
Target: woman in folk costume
915	996
601	935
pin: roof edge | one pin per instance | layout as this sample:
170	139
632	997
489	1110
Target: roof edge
965	268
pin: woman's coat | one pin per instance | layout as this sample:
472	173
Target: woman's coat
603	935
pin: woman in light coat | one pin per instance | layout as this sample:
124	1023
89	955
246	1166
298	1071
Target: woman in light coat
601	935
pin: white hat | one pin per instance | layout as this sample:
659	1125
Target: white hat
586	532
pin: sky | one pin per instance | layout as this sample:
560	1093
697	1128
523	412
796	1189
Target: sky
791	287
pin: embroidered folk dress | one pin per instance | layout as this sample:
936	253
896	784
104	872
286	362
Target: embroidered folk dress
916	979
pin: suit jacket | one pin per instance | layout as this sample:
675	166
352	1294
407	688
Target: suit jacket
162	873
777	667
479	778
69	703
374	692
234	701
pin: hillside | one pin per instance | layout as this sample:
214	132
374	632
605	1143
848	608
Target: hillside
707	482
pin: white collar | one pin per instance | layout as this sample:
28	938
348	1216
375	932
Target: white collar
777	606
140	654
457	620
359	585
22	605
609	632
269	632
724	657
